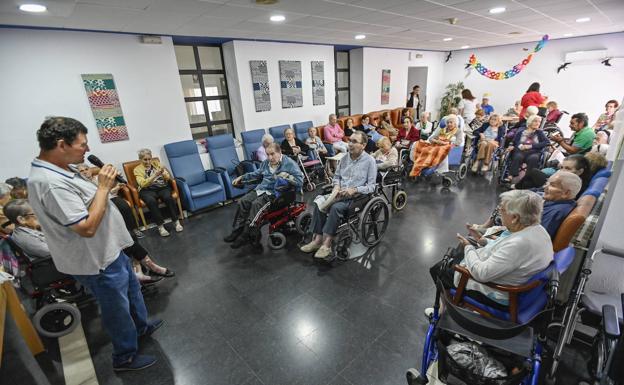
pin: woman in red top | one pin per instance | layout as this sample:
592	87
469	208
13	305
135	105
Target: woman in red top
408	134
532	97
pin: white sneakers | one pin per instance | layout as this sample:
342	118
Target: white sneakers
162	231
322	252
178	226
310	247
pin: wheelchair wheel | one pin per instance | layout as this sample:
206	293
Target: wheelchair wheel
56	319
447	182
462	171
375	218
277	240
342	245
399	200
310	186
303	223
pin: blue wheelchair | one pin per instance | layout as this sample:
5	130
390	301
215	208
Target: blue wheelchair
457	169
468	339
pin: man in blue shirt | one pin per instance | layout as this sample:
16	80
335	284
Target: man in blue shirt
559	193
356	174
275	166
485	104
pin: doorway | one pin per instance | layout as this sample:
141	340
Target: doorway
418	76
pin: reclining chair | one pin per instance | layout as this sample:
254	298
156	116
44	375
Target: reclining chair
278	133
252	140
301	129
200	188
225	160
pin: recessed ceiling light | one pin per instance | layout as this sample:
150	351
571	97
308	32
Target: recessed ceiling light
278	18
37	8
465	46
583	19
498	10
360	37
447	39
568	34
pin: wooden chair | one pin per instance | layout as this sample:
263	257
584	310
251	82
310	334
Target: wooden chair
133	187
125	194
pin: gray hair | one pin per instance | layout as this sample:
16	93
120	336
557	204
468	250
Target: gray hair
16	208
526	204
532	110
330	116
569	181
453	111
288	129
267	138
80	166
363	137
275	146
143	152
452	117
531	118
5	189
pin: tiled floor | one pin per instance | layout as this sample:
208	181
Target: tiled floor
279	318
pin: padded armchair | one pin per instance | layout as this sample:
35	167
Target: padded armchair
252	140
224	160
573	222
278	132
525	301
200	188
598	183
395	117
134	192
301	129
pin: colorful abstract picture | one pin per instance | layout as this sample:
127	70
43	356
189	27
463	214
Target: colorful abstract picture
385	86
260	82
104	102
318	83
290	79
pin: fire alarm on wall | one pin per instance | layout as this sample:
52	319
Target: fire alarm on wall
415	55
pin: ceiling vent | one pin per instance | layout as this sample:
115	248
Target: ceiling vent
586	55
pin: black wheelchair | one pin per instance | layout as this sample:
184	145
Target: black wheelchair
57	296
392	179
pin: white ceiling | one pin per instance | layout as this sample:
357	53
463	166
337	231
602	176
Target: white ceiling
413	24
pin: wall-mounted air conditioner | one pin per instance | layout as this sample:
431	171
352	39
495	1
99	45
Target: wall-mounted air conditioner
576	56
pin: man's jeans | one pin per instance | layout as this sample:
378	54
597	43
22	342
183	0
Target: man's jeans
124	315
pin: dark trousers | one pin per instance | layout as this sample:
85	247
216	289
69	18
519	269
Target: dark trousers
249	206
531	158
150	196
532	179
327	223
136	251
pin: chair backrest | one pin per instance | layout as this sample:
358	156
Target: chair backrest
301	129
342	121
129	170
252	140
573	222
319	132
185	162
278	132
357	119
375	116
222	152
395	117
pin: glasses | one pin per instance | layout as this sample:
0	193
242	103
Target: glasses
354	141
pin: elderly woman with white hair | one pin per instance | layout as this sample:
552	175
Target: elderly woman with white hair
520	252
5	196
527	146
434	151
153	181
260	153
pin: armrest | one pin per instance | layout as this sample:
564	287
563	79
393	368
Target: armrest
220	170
505	288
125	194
213	176
248	165
610	324
174	186
135	194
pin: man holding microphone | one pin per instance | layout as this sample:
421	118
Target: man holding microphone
86	236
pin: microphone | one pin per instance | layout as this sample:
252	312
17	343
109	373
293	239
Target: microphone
98	163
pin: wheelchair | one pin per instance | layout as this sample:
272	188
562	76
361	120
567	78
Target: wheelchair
283	215
456	173
504	163
495	163
511	340
393	179
57	296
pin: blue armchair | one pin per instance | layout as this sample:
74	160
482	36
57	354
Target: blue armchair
198	188
301	129
278	132
252	140
224	160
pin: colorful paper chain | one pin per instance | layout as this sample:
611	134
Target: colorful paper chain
515	70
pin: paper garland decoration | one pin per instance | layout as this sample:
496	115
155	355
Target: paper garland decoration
260	83
515	70
104	101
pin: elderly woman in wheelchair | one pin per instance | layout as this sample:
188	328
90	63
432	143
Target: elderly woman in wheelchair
273	175
353	188
505	280
390	166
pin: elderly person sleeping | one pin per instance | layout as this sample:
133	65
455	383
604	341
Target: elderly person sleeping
512	259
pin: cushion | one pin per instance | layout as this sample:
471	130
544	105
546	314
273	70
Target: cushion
203	189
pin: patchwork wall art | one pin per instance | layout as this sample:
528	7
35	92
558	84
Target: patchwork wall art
104	102
385	86
260	82
290	82
318	83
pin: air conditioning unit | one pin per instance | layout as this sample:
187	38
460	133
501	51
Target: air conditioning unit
576	56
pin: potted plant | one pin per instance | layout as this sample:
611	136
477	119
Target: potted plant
451	97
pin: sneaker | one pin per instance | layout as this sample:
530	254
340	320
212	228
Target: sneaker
138	362
138	233
162	231
475	167
233	235
429	312
310	247
323	252
485	168
178	227
152	326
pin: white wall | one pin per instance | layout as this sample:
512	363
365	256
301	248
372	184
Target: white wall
356	75
237	55
397	61
40	76
582	87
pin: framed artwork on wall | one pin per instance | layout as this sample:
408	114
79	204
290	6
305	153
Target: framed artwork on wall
290	79
106	108
318	83
385	86
260	83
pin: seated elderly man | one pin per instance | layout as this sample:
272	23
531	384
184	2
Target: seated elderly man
512	259
356	174
276	166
